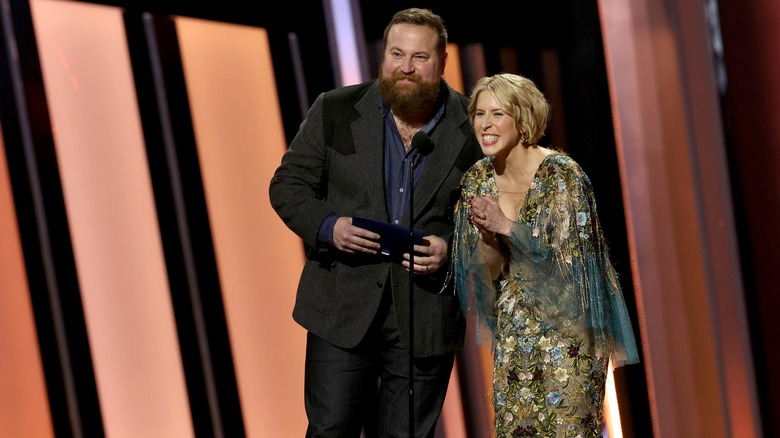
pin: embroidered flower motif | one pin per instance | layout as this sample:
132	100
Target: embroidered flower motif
527	345
518	321
524	431
544	343
582	218
554	398
561	374
587	420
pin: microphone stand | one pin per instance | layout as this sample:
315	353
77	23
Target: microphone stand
414	155
421	145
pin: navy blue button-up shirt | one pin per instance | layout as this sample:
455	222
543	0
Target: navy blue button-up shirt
396	167
397	160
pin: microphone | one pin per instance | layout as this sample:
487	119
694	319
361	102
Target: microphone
422	143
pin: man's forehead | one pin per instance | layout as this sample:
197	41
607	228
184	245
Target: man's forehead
405	36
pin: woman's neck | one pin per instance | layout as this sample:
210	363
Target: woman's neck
520	165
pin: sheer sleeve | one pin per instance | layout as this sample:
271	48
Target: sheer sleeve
561	260
476	291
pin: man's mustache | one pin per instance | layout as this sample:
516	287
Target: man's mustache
413	77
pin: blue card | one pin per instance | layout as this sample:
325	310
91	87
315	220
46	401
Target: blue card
394	239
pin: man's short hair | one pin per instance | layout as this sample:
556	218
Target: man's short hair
420	17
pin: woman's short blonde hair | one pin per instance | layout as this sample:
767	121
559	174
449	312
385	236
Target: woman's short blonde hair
518	97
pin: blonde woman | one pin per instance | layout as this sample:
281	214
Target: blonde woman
531	262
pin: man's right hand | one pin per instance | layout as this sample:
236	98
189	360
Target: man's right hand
352	239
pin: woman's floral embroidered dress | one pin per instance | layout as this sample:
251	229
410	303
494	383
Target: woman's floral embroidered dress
556	315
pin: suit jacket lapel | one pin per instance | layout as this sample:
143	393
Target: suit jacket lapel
368	133
448	141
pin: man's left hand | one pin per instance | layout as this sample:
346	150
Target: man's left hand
428	257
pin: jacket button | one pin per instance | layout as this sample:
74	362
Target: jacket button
379	284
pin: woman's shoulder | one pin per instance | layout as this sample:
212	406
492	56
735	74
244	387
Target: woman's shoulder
478	170
559	165
482	164
478	181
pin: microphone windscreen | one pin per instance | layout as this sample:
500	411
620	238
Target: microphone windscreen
422	143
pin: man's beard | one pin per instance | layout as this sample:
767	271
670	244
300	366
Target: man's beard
408	100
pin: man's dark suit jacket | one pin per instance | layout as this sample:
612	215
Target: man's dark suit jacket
335	166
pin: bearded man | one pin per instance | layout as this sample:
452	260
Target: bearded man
350	159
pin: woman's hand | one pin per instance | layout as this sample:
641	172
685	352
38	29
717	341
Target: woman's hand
487	216
490	220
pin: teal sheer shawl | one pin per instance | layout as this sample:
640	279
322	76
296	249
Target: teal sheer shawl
557	257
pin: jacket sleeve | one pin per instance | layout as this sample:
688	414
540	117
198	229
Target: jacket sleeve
299	185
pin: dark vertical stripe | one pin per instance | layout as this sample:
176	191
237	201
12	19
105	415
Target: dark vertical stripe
300	76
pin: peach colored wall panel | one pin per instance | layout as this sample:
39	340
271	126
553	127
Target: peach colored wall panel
675	179
112	217
240	139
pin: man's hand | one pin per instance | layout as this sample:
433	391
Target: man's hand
352	239
429	257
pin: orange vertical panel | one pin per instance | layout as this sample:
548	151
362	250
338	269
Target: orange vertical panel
240	138
452	411
112	217
452	72
676	190
24	404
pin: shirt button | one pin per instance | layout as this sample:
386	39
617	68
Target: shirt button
401	190
397	221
